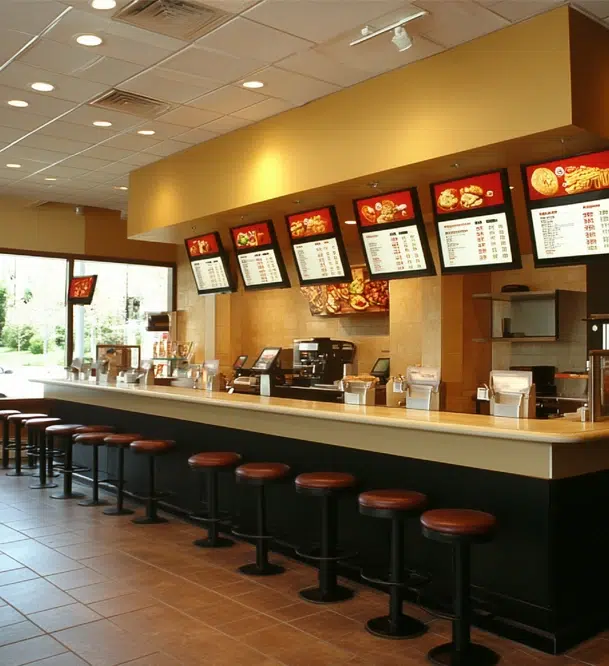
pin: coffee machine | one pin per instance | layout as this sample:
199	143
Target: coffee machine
320	362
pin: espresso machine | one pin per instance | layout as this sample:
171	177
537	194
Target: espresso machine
320	362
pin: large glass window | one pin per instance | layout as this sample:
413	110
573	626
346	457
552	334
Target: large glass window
33	317
125	293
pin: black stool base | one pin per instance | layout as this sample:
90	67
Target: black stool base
114	511
218	542
408	627
475	655
316	595
145	520
267	570
92	502
21	473
38	486
67	496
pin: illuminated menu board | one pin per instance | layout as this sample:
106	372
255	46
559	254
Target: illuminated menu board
317	244
393	235
260	262
475	224
568	207
81	289
209	264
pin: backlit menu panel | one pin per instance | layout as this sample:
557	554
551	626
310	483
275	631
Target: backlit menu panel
260	262
393	235
318	247
209	264
475	224
568	205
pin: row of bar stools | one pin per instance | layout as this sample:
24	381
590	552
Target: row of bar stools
95	440
328	486
211	464
120	442
6	440
37	428
151	448
18	421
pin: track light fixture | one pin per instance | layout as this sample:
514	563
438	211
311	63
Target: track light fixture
400	38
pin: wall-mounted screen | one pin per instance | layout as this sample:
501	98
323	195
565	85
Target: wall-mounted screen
209	264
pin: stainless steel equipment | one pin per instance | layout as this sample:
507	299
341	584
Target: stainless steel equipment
320	361
512	394
598	385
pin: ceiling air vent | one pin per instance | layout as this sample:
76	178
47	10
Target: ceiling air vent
182	19
136	105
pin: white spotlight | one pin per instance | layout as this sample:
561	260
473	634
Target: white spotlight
401	39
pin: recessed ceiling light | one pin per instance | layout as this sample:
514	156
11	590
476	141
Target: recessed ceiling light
51	179
18	102
350	222
41	86
253	84
146	132
121	187
89	40
14	166
102	123
103	4
511	187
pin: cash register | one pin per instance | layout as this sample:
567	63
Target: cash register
267	371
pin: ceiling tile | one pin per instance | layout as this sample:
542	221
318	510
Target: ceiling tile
10	134
293	87
321	20
188	116
88	163
319	66
458	22
163	130
118	168
241	38
11	41
133	141
266	109
87	134
226	124
227	99
196	136
69	88
21	118
103	152
44	106
43	142
61	171
599	8
168	147
95	177
29	17
169	85
518	10
140	159
87	115
19	152
232	6
211	64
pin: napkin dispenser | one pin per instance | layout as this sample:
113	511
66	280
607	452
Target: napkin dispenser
396	391
423	388
512	394
359	392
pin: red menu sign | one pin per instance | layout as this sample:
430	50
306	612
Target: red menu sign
393	235
260	262
318	248
568	205
475	224
81	289
209	264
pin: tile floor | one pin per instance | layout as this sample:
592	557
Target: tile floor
78	588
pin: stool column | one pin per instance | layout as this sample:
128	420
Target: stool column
152	448
18	458
37	428
67	472
329	528
396	576
151	513
5	443
461	623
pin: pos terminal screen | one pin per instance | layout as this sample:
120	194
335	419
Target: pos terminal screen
266	359
240	362
381	368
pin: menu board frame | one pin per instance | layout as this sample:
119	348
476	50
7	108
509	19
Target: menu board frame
86	297
416	220
273	245
506	207
562	200
335	234
221	253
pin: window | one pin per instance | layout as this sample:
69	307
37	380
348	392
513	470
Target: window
33	318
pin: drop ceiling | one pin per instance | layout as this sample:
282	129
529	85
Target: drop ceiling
298	48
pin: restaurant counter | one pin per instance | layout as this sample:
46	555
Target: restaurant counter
543	580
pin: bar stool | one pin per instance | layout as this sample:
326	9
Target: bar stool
211	464
397	506
94	439
38	429
62	434
4	414
260	475
18	421
460	528
328	486
120	442
151	448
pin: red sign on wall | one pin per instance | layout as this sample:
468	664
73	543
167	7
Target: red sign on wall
252	235
312	223
386	208
468	194
202	245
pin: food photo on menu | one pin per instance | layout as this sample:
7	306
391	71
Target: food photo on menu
313	223
199	247
252	235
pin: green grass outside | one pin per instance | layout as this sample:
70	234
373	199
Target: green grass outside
15	359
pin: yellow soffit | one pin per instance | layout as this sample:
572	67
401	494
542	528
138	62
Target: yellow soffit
490	90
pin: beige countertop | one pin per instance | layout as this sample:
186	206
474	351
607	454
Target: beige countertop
542	448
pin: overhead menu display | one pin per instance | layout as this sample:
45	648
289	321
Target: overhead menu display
318	247
260	262
568	207
393	235
209	264
475	224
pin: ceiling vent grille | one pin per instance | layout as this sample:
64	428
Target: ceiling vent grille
136	105
182	19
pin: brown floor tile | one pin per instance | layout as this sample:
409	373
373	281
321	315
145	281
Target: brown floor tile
595	652
79	578
278	639
41	559
237	588
326	624
316	653
221	613
124	604
158	659
184	597
17	576
265	600
35	595
67	539
31	650
46	530
247	625
83	551
293	611
115	565
66	659
159	620
104	644
90	594
19	632
64	617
